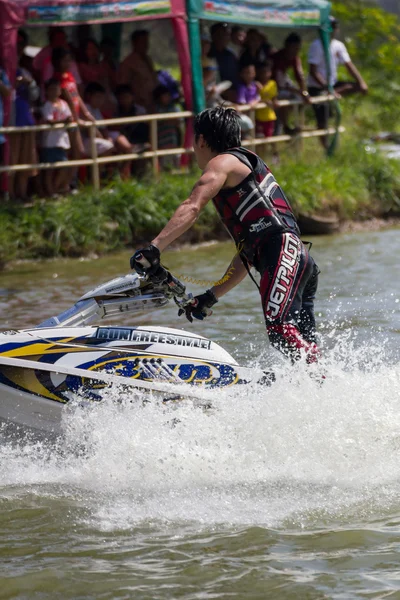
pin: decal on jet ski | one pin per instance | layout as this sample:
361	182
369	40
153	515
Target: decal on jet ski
153	337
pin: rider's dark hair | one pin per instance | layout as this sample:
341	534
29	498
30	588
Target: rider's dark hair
220	128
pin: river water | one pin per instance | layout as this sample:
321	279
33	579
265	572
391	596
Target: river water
293	493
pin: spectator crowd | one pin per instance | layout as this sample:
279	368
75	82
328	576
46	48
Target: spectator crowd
84	83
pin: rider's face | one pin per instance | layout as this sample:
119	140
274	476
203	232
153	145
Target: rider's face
200	151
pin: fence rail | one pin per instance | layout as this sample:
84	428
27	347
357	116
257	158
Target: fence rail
155	153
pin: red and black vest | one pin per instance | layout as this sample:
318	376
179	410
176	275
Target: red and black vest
256	208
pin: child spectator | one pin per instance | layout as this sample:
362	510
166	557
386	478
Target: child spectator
266	117
247	93
168	131
55	143
247	89
61	60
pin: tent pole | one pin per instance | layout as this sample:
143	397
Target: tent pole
199	100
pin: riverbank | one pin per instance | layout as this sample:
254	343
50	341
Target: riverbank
354	186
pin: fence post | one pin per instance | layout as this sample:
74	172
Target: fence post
154	146
93	156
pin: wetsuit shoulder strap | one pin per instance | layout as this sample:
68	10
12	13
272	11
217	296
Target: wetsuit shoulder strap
240	154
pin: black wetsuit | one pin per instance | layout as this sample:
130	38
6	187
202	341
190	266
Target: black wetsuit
260	220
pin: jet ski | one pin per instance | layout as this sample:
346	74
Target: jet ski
73	357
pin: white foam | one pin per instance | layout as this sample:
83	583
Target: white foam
260	456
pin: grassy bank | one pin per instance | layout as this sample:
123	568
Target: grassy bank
354	184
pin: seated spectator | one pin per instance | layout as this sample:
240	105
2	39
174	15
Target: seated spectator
136	133
283	60
22	145
169	134
266	117
55	143
92	70
238	38
318	80
95	98
42	63
61	60
226	60
137	70
5	92
255	49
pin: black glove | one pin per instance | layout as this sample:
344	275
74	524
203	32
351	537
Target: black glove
146	261
199	307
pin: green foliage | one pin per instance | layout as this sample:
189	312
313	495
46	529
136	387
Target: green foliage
353	184
373	39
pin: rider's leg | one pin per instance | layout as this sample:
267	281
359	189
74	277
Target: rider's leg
285	268
306	322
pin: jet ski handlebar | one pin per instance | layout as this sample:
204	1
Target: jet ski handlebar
127	294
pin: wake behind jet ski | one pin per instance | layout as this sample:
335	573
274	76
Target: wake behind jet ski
68	357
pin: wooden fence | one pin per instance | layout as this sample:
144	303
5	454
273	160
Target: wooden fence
155	153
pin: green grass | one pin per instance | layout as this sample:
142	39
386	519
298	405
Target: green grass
354	184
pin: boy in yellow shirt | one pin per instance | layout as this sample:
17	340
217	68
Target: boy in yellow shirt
268	89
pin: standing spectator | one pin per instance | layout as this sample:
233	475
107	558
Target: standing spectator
266	117
318	80
93	70
42	63
226	60
137	70
238	37
256	50
5	92
247	93
247	89
55	143
61	59
22	145
283	60
168	131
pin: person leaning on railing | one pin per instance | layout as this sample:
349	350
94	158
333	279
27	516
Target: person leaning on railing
55	142
61	59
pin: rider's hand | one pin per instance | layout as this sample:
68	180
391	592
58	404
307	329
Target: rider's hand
146	261
200	306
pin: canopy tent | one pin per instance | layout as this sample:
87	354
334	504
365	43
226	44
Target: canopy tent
261	13
35	13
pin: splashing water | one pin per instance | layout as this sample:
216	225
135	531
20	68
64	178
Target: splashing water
292	453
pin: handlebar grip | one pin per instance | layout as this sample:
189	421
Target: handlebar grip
139	257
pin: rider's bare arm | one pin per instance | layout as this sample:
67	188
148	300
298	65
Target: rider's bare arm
221	171
237	272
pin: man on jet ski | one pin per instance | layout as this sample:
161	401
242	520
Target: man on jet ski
259	218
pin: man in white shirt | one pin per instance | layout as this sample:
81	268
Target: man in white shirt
318	78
